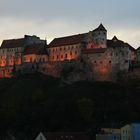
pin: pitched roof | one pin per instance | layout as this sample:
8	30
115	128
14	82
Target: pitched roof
138	48
100	28
68	40
35	49
13	43
115	42
94	50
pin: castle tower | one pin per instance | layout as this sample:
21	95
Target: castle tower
100	36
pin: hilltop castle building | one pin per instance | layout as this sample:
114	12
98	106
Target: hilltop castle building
102	55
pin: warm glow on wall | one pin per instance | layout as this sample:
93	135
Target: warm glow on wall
104	71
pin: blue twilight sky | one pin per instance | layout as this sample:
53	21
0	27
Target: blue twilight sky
56	18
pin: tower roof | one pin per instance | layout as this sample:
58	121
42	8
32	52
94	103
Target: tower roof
100	28
114	38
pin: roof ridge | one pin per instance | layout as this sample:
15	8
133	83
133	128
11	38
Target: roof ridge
70	35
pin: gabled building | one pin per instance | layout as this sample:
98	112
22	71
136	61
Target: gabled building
35	53
11	53
66	48
109	134
104	58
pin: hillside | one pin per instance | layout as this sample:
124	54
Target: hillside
31	103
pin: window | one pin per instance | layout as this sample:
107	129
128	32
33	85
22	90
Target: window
71	53
31	59
95	62
66	55
61	56
75	52
109	62
101	62
126	61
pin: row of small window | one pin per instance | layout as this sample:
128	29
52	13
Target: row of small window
126	137
7	71
111	54
10	50
9	62
63	48
35	60
126	61
65	56
125	131
60	57
102	62
116	137
99	33
98	40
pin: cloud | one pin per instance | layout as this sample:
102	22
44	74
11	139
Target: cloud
53	18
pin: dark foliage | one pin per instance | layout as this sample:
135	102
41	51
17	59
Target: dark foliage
31	103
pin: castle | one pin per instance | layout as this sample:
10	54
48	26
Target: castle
104	57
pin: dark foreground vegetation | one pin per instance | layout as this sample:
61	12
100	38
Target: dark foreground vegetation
32	103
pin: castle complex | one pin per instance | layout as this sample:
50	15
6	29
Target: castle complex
102	56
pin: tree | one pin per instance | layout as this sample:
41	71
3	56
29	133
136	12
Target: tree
85	107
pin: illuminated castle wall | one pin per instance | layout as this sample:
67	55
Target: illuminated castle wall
104	57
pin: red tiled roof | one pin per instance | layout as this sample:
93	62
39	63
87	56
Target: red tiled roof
69	40
100	28
13	43
95	50
35	49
